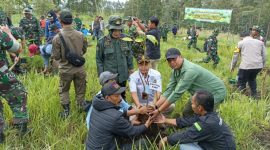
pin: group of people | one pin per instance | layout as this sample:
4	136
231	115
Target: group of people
110	118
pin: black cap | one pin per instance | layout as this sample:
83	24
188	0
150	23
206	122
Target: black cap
112	88
66	16
172	53
154	20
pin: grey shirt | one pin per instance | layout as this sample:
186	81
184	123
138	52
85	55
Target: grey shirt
253	53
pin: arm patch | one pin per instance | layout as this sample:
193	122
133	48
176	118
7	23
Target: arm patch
197	126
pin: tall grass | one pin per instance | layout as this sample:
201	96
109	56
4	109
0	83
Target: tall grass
243	114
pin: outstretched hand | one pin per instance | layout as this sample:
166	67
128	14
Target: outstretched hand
160	119
148	122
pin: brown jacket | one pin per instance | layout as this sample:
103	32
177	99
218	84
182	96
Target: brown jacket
75	41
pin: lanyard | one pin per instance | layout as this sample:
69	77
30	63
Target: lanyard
145	82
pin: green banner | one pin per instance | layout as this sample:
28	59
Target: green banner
208	15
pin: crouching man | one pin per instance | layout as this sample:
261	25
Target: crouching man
107	123
205	130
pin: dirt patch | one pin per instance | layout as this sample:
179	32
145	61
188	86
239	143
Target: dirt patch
263	137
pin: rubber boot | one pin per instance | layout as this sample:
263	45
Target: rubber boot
65	113
22	128
2	137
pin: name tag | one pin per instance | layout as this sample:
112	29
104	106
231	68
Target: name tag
154	86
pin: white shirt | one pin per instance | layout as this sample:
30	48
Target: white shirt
253	53
150	85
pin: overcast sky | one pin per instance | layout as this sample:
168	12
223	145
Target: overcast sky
119	0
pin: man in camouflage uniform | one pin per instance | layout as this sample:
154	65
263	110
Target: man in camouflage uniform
31	28
11	88
136	47
212	47
193	38
164	32
113	54
78	22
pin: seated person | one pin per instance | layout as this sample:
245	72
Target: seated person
107	123
124	107
205	130
145	84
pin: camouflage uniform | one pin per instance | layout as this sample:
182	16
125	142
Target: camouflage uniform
78	23
31	29
212	47
193	40
164	32
137	48
11	88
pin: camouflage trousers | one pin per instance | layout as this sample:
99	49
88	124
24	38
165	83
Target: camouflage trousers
79	80
212	55
193	43
12	90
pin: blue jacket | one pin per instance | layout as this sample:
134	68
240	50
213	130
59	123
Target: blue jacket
48	23
106	124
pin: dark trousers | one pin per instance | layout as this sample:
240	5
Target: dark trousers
248	76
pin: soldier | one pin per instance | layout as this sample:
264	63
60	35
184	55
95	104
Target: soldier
114	54
132	29
11	88
212	47
75	41
30	26
164	32
193	38
78	22
136	47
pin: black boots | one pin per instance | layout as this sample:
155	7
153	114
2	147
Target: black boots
22	128
2	137
65	113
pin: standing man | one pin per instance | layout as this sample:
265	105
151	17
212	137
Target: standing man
102	26
145	83
193	35
78	22
96	28
12	90
164	32
174	30
187	76
30	26
152	49
253	59
76	43
114	54
205	130
51	20
212	47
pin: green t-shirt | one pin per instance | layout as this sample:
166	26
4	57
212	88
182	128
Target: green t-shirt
192	77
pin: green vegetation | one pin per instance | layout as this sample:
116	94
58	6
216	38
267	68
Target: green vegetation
246	117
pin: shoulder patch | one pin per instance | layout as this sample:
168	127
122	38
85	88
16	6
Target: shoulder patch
236	50
197	126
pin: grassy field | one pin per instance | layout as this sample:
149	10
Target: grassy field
249	119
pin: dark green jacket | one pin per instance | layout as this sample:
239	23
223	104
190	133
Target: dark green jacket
114	55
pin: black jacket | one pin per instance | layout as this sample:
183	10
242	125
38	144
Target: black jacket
152	50
106	124
209	131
